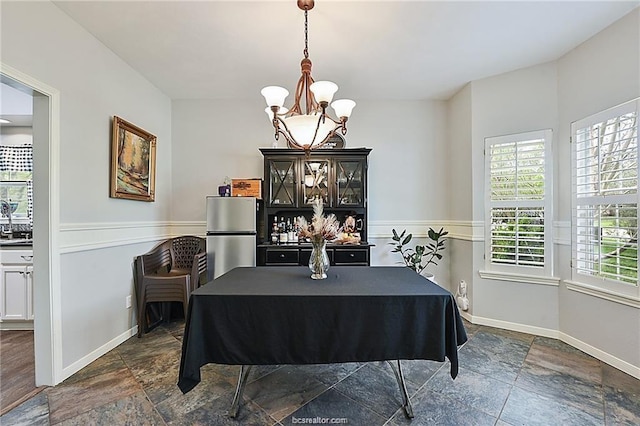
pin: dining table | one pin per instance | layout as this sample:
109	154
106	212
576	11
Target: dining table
275	315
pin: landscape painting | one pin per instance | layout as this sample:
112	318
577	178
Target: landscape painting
133	162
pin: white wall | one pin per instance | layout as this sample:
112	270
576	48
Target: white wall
601	73
459	159
407	165
408	178
16	135
40	40
407	173
459	122
94	84
516	102
213	140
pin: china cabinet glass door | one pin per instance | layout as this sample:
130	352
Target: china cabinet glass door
350	182
282	181
315	183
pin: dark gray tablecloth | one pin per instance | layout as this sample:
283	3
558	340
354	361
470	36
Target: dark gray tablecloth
279	315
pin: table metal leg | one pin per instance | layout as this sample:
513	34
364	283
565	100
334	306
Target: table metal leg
406	403
242	381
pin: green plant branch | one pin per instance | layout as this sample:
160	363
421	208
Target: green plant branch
421	256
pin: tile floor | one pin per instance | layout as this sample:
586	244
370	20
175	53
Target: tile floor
506	378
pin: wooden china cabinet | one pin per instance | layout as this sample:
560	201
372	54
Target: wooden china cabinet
293	181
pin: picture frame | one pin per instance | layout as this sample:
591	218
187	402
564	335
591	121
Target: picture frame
133	162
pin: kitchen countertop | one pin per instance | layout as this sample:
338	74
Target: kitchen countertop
17	242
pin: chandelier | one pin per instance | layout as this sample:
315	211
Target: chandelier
312	127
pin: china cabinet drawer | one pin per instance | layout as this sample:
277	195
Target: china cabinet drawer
282	257
351	256
292	255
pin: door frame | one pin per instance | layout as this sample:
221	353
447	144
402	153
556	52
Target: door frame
46	194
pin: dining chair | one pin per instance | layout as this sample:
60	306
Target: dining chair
169	272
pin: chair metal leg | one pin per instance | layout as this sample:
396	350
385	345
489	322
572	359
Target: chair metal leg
242	381
406	403
142	308
187	295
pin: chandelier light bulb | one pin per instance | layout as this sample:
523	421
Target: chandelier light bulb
343	107
275	95
323	91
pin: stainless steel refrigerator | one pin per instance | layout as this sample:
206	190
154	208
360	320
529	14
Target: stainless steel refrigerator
231	233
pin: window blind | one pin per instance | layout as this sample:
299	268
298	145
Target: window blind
605	218
517	199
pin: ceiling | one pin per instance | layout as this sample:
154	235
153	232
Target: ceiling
405	50
15	105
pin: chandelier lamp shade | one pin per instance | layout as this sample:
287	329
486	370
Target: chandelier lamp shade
307	126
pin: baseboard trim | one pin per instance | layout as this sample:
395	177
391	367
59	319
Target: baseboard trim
92	356
522	328
16	325
603	356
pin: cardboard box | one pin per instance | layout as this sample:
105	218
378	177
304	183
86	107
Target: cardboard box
246	188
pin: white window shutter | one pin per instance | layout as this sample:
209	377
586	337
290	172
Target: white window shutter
605	199
518	205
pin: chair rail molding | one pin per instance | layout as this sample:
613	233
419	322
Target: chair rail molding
90	236
458	229
75	237
465	230
197	228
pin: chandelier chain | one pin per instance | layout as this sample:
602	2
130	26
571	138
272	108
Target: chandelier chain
306	36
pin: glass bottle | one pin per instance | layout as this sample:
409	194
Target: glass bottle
284	237
289	231
275	235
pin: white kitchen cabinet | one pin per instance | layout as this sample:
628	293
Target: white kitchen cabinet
16	285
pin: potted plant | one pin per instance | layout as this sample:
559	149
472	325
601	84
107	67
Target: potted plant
421	256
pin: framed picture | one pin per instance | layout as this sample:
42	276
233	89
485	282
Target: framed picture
133	162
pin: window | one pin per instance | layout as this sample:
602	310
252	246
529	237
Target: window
518	203
16	164
605	199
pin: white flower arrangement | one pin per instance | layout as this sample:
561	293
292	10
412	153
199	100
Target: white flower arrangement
321	227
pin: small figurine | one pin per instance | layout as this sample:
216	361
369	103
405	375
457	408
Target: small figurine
461	296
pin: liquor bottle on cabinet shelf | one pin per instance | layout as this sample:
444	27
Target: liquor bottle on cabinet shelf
275	234
284	237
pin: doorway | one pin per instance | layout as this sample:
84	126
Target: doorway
46	283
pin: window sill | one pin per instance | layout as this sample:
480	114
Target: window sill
601	293
521	278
